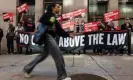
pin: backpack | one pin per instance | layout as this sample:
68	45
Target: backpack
39	34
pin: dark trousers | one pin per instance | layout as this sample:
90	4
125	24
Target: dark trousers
19	48
28	50
99	50
94	50
129	43
51	47
10	46
0	46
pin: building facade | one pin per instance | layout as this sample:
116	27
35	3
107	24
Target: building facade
94	10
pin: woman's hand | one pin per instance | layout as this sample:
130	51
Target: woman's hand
71	35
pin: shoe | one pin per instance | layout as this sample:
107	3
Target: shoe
8	53
129	54
101	54
108	54
67	78
120	54
11	53
27	75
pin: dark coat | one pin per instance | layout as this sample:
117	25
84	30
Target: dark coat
29	27
10	32
100	27
45	19
124	27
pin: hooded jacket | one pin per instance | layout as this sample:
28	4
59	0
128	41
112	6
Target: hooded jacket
49	19
124	27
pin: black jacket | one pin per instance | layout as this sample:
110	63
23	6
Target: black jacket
29	27
1	34
124	27
100	27
46	19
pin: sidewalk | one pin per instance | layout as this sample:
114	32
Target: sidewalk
109	67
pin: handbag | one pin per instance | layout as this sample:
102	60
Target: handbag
39	34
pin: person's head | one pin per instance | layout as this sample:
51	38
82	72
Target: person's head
19	24
55	8
77	21
23	14
29	20
99	21
10	24
82	22
127	20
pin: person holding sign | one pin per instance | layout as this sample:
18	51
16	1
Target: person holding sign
100	28
19	28
51	47
110	27
77	28
29	26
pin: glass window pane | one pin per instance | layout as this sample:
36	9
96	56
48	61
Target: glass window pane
126	10
96	10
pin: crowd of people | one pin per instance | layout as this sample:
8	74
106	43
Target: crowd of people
12	35
29	26
110	26
52	48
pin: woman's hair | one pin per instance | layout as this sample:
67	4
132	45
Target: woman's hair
51	6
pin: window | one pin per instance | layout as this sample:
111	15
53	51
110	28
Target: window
126	10
96	10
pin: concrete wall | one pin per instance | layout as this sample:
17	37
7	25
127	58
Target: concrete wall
113	5
38	9
6	6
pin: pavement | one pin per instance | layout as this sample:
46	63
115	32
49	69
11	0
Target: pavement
108	67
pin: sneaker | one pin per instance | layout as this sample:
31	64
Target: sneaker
130	54
26	75
11	53
67	78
